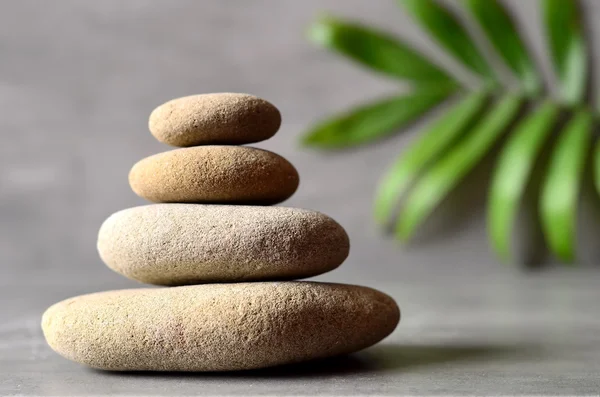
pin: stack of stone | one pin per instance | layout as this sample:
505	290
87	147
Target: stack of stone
213	236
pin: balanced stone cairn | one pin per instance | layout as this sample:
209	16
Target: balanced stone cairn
227	253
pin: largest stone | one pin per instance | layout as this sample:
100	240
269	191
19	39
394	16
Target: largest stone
219	327
215	174
176	244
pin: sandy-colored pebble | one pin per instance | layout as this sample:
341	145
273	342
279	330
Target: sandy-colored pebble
218	327
214	119
215	174
178	244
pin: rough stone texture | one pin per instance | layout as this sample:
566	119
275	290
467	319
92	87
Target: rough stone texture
215	174
218	327
177	244
209	119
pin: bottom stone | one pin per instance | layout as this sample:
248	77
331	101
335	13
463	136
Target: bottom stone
218	327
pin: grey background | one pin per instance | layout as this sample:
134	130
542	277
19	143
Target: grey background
78	80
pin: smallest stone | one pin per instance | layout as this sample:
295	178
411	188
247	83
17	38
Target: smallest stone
214	119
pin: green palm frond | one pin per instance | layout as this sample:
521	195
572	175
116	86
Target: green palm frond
377	50
502	33
514	171
560	191
424	152
566	41
374	121
438	21
447	151
453	166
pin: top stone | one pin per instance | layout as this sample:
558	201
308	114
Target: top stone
214	119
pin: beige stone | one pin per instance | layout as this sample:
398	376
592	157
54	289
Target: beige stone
215	174
218	327
209	119
178	244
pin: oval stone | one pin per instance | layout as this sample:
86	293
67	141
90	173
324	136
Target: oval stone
218	327
215	174
209	119
178	244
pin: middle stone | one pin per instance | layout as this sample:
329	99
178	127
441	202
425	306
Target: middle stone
178	244
215	174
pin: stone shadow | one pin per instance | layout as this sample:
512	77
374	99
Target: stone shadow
378	359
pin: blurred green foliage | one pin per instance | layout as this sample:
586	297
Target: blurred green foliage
523	120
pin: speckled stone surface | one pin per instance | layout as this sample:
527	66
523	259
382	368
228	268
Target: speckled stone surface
215	174
218	327
209	119
175	244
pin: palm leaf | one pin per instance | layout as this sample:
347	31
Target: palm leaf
560	192
567	46
450	34
501	31
420	154
374	121
597	166
377	50
513	171
448	150
453	167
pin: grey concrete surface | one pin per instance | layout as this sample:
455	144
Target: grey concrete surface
78	80
494	335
